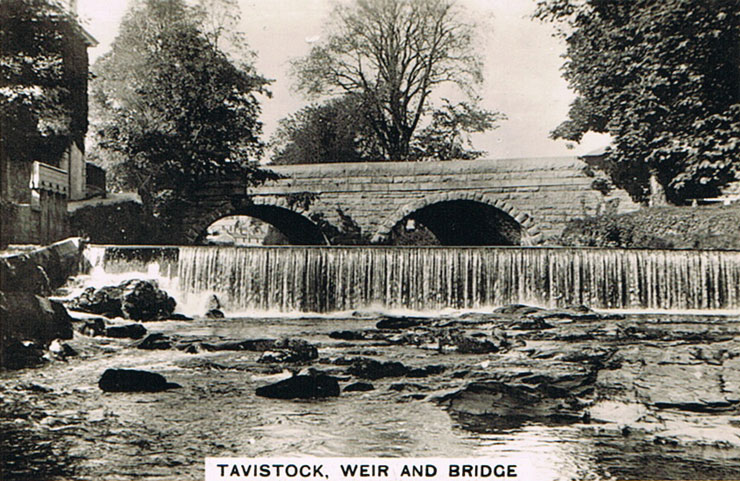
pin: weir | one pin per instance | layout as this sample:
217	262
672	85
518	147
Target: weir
328	279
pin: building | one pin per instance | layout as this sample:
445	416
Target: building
43	99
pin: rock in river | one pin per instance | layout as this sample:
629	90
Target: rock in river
134	299
302	387
535	398
213	308
154	341
359	386
132	380
25	316
131	331
366	368
290	350
399	322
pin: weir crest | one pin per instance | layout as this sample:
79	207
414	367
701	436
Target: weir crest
330	279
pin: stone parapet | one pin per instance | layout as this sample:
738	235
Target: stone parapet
541	194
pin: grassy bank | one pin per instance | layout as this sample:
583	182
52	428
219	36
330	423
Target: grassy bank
705	227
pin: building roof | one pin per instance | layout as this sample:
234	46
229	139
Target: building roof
598	152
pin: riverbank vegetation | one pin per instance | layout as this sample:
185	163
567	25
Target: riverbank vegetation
171	109
706	227
661	77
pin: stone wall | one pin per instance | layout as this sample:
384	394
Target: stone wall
42	221
29	320
541	194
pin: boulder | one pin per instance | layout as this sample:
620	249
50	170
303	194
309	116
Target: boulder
15	354
215	314
61	350
518	310
134	299
696	378
154	341
91	327
350	335
366	368
213	308
132	380
130	331
465	342
399	322
509	404
26	316
104	301
537	324
144	301
311	386
19	274
405	386
42	270
290	350
359	386
283	350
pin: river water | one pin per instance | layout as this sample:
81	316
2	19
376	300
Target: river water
663	403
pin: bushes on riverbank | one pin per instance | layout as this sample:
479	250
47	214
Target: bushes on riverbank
124	223
706	227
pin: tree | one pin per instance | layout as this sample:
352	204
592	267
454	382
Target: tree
171	109
41	108
447	136
338	130
392	54
663	78
333	131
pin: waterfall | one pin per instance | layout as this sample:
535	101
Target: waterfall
326	279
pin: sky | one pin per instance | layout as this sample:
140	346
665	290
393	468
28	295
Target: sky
522	63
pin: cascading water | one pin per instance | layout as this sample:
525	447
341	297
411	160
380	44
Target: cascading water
326	279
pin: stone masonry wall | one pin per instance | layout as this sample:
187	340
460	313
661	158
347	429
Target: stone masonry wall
542	194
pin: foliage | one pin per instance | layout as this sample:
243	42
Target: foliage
125	223
348	233
392	54
663	78
338	131
39	114
447	136
333	131
171	110
712	227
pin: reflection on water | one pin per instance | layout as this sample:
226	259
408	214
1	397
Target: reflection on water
161	435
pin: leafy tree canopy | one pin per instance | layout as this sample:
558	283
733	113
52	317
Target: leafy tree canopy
171	109
39	115
338	130
390	55
663	78
447	136
333	131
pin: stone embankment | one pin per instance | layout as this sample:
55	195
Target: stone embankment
29	320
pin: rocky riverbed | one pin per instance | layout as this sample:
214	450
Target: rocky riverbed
573	392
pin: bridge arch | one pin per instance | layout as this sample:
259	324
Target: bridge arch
465	218
290	221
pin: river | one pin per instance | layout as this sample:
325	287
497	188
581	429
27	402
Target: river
650	396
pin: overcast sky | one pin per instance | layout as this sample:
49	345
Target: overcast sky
522	66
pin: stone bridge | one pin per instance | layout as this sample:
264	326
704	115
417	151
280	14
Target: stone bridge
479	202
